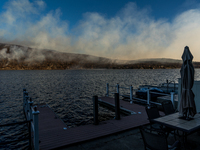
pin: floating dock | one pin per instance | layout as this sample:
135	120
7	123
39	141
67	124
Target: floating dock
53	133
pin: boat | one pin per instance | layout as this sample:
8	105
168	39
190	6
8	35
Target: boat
159	91
142	93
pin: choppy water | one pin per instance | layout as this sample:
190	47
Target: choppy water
68	92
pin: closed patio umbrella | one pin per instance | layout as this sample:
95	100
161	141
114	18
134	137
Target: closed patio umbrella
187	105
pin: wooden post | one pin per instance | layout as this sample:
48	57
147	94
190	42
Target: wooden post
131	93
36	128
117	88
117	107
148	97
95	110
107	89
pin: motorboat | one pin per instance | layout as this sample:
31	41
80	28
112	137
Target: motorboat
155	92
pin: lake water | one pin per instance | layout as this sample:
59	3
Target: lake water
68	92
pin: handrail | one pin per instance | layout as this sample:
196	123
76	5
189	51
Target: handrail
118	87
124	87
113	86
135	98
31	113
159	93
169	83
148	100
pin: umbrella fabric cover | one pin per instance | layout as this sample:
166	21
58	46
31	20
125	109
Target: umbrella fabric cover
187	104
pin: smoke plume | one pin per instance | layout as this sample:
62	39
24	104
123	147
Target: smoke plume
131	34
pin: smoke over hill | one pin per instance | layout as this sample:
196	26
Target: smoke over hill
19	57
16	57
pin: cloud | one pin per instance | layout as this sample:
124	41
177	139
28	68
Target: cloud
132	34
24	23
20	9
187	32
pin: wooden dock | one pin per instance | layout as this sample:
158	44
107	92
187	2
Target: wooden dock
53	133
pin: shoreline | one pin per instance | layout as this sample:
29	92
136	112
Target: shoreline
95	69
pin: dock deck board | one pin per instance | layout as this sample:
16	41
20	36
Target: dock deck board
52	135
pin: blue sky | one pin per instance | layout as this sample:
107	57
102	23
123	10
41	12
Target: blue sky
119	29
73	10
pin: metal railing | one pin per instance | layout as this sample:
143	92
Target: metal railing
31	113
148	100
118	90
163	94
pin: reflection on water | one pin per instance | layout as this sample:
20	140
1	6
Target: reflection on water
69	92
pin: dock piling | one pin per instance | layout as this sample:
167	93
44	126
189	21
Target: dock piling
117	107
95	110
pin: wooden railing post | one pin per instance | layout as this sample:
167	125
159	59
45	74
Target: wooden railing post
36	128
107	89
95	110
117	107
